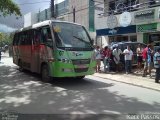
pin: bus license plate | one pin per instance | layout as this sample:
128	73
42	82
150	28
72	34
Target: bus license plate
82	66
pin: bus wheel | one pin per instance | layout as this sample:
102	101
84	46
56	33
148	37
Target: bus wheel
20	66
80	77
45	74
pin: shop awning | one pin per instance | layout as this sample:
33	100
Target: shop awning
116	31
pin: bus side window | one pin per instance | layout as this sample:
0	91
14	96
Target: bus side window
36	37
19	38
46	37
25	38
28	37
15	40
22	38
42	36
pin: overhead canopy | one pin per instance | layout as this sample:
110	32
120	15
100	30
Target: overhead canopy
116	31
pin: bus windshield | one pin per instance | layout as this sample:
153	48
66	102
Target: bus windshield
71	36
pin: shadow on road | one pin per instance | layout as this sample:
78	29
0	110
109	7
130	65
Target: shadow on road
25	93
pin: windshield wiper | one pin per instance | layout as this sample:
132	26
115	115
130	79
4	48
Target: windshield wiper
81	39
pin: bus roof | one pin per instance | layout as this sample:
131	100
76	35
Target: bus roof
48	22
44	23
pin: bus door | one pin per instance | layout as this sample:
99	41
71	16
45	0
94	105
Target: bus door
46	48
35	64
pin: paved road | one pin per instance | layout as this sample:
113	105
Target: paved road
25	93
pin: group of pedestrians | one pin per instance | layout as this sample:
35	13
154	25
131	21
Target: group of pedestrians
151	60
145	56
113	56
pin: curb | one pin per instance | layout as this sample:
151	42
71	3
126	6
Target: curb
143	86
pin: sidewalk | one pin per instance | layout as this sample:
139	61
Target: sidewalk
133	79
6	54
6	60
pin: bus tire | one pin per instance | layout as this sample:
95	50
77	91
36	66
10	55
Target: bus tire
45	74
20	66
80	77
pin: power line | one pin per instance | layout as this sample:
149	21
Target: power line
36	2
80	9
33	3
98	3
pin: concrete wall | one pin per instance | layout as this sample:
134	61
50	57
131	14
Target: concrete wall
29	19
140	37
81	14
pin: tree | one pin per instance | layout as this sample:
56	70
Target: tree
6	39
8	7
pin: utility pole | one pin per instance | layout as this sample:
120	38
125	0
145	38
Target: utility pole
39	15
52	10
74	14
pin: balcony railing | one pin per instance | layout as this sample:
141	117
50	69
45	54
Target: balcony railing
121	7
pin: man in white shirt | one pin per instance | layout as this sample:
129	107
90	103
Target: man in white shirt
128	55
116	56
98	58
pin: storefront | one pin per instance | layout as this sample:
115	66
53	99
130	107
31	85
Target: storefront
119	34
144	28
148	26
151	33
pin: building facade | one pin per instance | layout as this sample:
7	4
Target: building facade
130	20
82	12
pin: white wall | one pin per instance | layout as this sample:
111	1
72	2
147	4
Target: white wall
81	8
140	37
29	19
100	22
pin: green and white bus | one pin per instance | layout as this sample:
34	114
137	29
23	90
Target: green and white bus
54	49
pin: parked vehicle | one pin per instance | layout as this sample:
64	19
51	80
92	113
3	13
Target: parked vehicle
156	48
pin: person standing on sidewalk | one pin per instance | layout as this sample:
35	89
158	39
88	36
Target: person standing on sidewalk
157	65
150	54
145	55
106	59
139	58
98	58
128	56
116	56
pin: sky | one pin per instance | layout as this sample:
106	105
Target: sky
5	28
10	22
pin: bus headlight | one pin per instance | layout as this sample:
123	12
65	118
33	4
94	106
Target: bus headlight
64	60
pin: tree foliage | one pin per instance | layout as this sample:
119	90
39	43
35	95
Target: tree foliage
6	39
8	7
